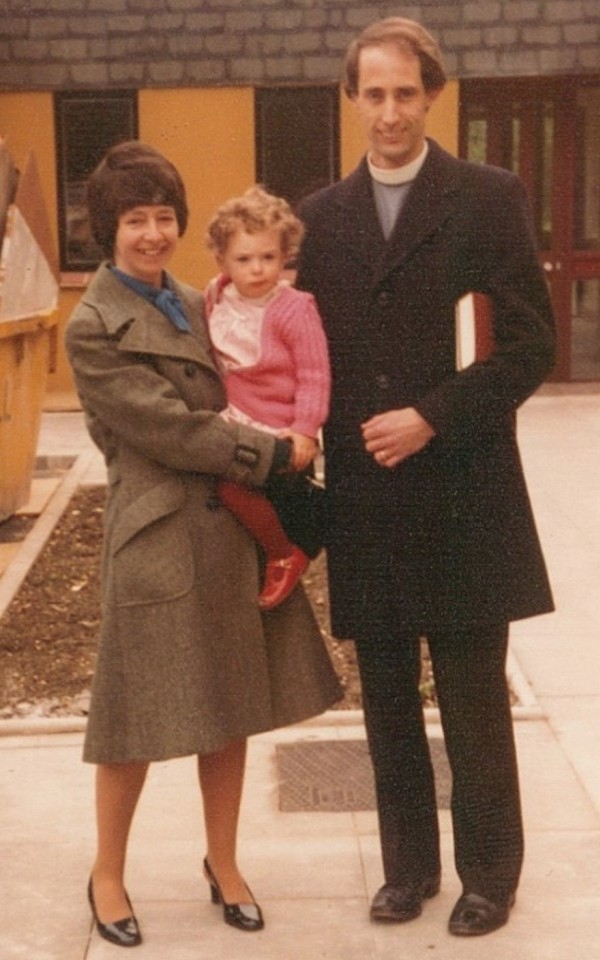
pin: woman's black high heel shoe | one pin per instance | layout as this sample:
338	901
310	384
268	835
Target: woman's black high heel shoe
123	933
243	916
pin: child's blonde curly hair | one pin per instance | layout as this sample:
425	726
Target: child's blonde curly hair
254	211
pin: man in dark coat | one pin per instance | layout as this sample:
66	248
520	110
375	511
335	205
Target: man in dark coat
431	531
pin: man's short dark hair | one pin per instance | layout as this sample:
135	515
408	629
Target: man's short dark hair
406	35
132	174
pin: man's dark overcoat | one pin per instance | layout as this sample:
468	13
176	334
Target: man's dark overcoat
447	538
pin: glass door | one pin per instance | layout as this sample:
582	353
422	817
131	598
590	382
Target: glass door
547	132
585	266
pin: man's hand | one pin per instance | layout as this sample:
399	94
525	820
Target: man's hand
305	449
395	435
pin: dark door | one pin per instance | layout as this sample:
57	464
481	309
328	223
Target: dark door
548	132
297	139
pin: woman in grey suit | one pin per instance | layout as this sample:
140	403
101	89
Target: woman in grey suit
187	664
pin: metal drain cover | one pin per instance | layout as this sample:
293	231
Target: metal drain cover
336	775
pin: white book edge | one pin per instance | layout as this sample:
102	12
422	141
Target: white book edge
465	331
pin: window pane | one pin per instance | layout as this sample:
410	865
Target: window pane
515	160
546	158
87	124
476	137
587	178
585	330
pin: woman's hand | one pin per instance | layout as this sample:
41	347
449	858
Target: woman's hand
305	449
395	435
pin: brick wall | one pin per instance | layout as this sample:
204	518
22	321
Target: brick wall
54	44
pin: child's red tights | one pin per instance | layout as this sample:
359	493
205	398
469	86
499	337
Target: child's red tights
258	515
285	562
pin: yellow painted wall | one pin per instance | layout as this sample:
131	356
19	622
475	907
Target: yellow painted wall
209	135
442	125
27	123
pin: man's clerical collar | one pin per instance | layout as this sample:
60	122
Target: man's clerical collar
398	175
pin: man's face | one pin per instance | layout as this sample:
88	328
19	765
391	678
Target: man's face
392	104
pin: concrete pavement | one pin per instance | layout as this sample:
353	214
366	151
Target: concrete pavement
314	872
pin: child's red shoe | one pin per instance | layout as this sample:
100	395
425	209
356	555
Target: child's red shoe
281	576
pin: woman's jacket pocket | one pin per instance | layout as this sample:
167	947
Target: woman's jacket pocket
150	551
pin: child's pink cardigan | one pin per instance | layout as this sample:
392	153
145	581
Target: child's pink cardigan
289	387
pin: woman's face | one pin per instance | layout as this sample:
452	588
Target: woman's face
145	240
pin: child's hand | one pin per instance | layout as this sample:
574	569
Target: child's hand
305	449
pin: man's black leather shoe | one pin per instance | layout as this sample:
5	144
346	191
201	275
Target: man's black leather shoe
397	904
475	915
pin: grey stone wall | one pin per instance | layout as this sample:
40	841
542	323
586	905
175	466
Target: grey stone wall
62	44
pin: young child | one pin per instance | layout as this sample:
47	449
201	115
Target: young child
272	353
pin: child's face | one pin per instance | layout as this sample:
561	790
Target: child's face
253	261
145	240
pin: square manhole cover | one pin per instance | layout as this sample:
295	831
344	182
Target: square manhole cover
336	775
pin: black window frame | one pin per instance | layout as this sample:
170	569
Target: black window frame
71	192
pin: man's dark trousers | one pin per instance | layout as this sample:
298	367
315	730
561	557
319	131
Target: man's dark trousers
469	668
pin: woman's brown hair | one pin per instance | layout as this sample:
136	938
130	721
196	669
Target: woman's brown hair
132	174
